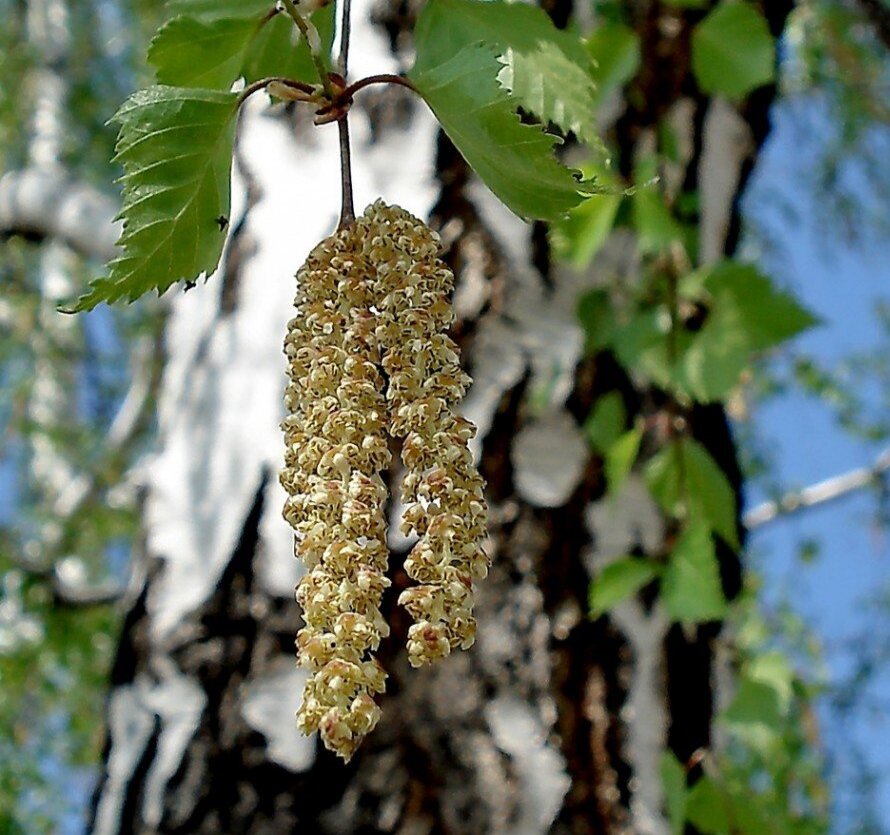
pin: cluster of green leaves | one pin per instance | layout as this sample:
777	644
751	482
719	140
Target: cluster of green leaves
176	138
692	361
483	68
692	336
771	779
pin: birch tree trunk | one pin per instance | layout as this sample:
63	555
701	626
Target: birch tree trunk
553	722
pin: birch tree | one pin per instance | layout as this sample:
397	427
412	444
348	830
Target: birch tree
605	321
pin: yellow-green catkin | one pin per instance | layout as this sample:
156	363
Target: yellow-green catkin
442	492
369	357
336	448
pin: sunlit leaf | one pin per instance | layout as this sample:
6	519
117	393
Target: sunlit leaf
175	146
513	159
618	581
733	51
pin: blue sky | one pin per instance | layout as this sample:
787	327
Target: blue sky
841	280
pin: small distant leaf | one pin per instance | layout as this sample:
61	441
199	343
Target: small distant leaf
191	53
774	670
656	227
642	345
691	587
747	313
547	70
673	780
175	145
620	458
597	319
684	473
755	715
615	49
707	809
618	581
605	424
733	51
513	159
578	236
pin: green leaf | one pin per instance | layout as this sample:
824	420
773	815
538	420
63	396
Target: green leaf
620	458
707	808
175	145
733	51
513	159
755	716
691	587
673	780
597	318
774	670
618	581
684	477
615	49
656	227
642	345
216	9
746	314
209	51
545	69
578	236
279	50
605	423
191	53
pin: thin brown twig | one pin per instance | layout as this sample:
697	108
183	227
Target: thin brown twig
347	205
384	78
347	202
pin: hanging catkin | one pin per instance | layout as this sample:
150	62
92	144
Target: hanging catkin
373	298
335	449
442	492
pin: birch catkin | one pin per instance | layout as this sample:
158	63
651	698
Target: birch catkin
373	305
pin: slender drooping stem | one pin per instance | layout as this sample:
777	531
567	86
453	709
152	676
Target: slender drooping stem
309	32
347	207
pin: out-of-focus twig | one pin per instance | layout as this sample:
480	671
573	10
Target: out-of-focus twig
819	493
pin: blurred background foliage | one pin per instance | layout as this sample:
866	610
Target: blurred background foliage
56	649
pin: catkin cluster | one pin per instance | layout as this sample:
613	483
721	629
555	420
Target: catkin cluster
369	358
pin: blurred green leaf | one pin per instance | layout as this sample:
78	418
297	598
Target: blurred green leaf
620	458
733	51
615	49
746	314
691	587
684	476
673	781
606	421
618	581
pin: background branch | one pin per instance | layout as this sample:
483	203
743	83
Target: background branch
43	204
820	493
